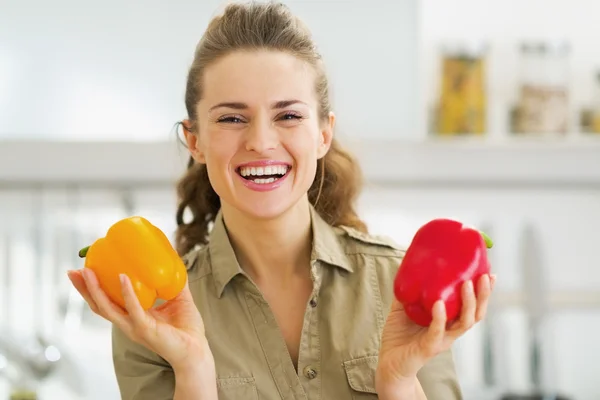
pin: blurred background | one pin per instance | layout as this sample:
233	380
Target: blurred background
485	111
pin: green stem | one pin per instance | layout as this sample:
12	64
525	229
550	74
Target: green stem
83	252
488	240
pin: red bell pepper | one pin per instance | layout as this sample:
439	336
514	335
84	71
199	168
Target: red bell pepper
441	257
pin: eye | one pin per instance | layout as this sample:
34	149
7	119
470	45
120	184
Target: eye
231	120
290	116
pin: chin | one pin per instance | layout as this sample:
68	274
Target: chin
266	209
268	200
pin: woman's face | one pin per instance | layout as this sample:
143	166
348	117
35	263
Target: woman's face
259	131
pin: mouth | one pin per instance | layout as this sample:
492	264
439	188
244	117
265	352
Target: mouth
264	175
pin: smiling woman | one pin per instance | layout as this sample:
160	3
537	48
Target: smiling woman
288	295
281	116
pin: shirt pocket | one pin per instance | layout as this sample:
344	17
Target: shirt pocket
361	377
237	388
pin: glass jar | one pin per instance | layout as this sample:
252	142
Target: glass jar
462	106
595	126
543	104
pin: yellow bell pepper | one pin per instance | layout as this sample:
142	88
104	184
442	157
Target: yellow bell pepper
138	249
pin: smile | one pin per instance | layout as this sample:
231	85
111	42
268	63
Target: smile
264	175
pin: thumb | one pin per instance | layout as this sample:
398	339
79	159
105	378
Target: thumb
396	305
185	293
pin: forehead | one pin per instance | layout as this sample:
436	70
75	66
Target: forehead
268	75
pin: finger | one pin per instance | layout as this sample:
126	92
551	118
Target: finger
492	281
184	296
467	314
483	298
436	330
107	309
132	304
79	283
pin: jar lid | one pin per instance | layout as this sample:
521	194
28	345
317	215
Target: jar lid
557	47
470	48
547	47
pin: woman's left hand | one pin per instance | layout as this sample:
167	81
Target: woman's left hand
406	346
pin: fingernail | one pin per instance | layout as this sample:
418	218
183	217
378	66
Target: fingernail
87	275
440	308
469	285
122	279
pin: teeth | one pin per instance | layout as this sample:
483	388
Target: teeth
261	180
260	171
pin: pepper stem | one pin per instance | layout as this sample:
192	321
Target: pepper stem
83	252
488	241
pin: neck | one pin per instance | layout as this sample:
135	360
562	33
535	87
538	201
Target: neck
268	249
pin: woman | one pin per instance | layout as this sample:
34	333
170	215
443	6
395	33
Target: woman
287	295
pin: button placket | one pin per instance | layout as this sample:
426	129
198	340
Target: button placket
273	345
309	360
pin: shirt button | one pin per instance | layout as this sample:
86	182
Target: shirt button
313	302
310	372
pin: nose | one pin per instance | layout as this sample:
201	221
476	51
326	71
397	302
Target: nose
261	136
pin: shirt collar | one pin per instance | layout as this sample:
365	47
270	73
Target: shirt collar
326	243
224	264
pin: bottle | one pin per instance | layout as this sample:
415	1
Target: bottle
462	107
23	395
595	126
543	105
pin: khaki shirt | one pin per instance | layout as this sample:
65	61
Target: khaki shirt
353	277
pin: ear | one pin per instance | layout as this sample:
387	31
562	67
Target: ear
326	136
193	142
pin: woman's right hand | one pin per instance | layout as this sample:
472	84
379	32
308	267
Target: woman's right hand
174	330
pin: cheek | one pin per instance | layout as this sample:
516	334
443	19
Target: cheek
305	143
219	147
218	156
303	148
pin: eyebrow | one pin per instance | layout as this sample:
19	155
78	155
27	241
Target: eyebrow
242	106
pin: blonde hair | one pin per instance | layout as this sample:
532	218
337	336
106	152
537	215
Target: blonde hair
258	26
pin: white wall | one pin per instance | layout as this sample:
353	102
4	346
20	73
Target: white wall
112	70
116	70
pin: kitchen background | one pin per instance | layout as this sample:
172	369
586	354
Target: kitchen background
479	110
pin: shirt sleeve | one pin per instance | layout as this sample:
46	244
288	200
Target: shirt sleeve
141	374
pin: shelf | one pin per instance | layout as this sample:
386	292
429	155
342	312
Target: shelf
462	161
483	162
26	163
